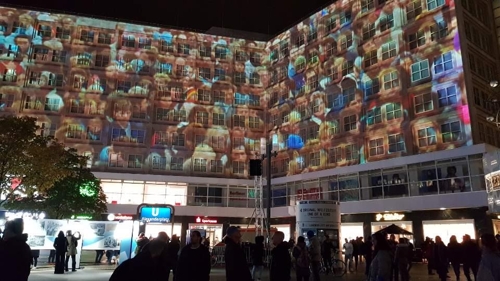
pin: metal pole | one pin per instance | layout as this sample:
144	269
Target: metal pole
269	153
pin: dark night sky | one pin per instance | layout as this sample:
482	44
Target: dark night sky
262	16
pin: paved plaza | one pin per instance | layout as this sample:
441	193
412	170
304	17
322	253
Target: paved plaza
102	273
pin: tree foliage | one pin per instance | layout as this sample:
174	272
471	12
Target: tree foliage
76	194
31	163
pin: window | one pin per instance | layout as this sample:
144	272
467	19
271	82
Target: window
386	22
254	79
413	10
101	60
255	58
184	49
254	122
240	99
393	111
63	33
367	5
420	71
182	70
87	36
52	104
134	161
376	147
299	40
374	116
216	166
416	39
472	63
372	87
284	51
331	24
221	52
220	74
423	103
349	95
345	17
218	119
59	56
159	163
439	30
241	56
351	152
239	143
200	165
350	123
83	59
56	80
391	80
115	160
9	75
447	96
202	117
314	159
426	137
139	112
205	72
345	42
167	46
239	121
125	135
200	141
75	131
396	143
388	50
254	100
239	77
104	38
41	54
331	49
334	155
33	102
370	58
161	138
128	41
238	167
47	129
203	95
219	96
123	86
6	100
205	51
443	63
433	4
451	132
347	67
368	31
176	163
178	139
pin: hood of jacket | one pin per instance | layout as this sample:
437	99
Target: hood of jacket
15	238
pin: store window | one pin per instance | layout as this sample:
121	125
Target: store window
176	194
395	182
113	191
423	178
348	186
406	225
351	231
279	196
446	228
453	175
238	196
132	192
155	193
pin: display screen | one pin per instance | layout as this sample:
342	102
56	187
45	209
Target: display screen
349	85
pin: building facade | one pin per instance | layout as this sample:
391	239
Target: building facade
379	104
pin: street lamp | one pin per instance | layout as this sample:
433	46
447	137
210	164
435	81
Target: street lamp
494	99
268	155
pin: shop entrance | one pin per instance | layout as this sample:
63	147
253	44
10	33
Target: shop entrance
213	232
446	228
406	225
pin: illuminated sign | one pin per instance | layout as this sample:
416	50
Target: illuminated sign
205	220
120	217
389	217
81	217
156	214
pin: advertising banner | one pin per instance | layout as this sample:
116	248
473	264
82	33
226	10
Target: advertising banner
318	214
491	163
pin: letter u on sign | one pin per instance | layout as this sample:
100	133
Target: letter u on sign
155	212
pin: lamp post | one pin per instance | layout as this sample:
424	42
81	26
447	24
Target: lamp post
495	119
269	154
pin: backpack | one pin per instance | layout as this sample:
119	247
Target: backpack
303	260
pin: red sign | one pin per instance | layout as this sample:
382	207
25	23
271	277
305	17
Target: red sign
205	220
308	194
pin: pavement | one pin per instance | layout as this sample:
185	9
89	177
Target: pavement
103	272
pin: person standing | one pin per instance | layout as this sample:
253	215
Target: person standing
281	263
455	255
258	258
60	246
489	267
472	256
327	249
141	241
368	253
71	252
15	254
302	260
401	258
98	256
236	262
35	254
315	252
194	260
441	259
428	249
348	251
381	265
173	249
52	256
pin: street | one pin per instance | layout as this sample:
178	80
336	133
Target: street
102	273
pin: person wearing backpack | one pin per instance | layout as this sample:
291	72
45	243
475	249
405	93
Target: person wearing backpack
302	260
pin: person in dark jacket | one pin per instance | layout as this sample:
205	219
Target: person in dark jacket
302	260
163	259
281	262
258	258
173	248
326	253
236	262
146	266
61	246
35	254
15	254
472	257
441	259
141	241
368	253
194	261
455	255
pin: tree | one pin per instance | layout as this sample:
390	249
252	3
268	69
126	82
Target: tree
77	194
29	162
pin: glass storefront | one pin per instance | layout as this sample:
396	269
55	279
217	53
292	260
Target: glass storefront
212	231
446	228
351	231
152	230
406	225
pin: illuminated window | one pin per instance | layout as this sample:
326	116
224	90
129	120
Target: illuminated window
433	4
301	163
312	83
240	99
351	152
216	166
370	58
313	132
345	17
447	96
200	141
239	121
345	42
159	163
52	104
123	86
104	38
183	48
314	159
299	40
393	111
420	71
83	59
220	74
161	138
348	95
239	77
221	52
200	165
203	95
254	100
254	79
131	136
59	56
413	10
275	119
41	54
439	30
134	161
284	51
238	167
367	5
6	100
350	123
396	143
285	117
451	132
101	60
303	111
219	96
374	116
128	41
426	137
282	73
317	105
176	163
313	58
204	72
178	139
416	39
205	51
376	147
390	80
9	75
255	58
115	160
87	36
443	62
372	87
202	117
386	22
217	142
162	114
423	103
254	122
347	67
368	31
56	80
218	119
239	143
76	106
331	23
241	56
75	131
63	33
388	50
46	129
166	46
335	155
144	43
